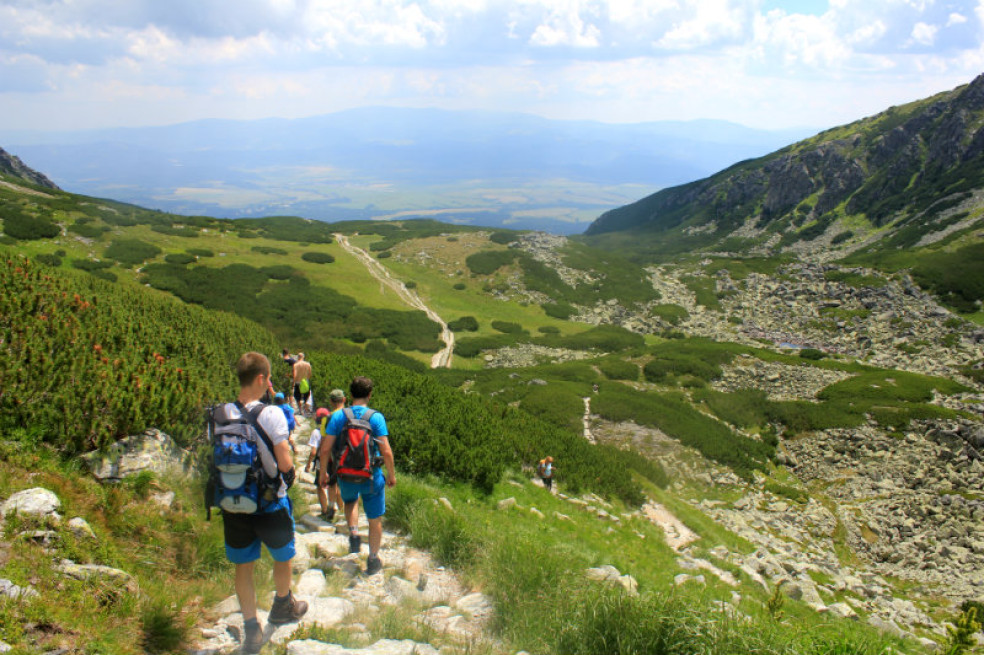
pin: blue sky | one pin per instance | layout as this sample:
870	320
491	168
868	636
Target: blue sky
68	64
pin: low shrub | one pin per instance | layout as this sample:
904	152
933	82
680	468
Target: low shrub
464	324
179	258
619	369
487	262
561	310
200	252
48	260
19	225
459	286
318	257
268	250
506	327
131	252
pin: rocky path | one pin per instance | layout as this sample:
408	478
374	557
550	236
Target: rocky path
587	420
442	359
343	598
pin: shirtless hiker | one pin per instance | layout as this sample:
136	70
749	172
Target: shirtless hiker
302	383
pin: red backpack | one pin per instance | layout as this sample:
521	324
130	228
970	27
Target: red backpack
355	448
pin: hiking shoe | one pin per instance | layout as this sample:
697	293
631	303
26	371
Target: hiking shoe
373	565
328	515
286	610
252	639
355	543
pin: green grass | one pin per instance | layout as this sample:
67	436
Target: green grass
532	568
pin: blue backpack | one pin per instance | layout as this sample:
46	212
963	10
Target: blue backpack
237	481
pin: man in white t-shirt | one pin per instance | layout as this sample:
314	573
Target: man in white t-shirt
273	524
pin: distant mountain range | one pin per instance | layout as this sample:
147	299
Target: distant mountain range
488	168
909	176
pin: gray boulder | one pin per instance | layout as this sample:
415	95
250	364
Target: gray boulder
37	502
151	451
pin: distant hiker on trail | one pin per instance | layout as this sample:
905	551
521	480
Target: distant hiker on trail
282	403
289	360
328	497
357	437
545	469
302	383
272	523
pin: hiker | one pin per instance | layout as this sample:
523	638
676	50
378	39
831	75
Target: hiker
272	524
336	398
314	460
302	383
288	411
545	469
289	360
338	435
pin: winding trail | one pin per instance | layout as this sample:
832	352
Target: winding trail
441	359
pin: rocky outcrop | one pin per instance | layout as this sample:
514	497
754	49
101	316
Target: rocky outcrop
12	166
151	451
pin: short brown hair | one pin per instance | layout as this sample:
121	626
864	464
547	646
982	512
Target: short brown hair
250	366
361	387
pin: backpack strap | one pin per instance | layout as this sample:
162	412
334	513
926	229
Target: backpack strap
252	416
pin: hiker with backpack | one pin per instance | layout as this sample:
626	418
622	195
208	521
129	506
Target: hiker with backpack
252	471
545	469
302	383
358	439
288	411
327	494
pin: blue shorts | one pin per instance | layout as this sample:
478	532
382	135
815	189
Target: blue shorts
274	528
373	494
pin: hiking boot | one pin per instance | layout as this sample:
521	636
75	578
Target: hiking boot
355	543
286	610
373	565
328	515
252	638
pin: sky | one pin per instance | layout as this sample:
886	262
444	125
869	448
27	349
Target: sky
73	64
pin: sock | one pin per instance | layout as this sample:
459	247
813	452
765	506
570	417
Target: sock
252	623
281	599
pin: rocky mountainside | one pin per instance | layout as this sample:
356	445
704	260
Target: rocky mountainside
11	165
917	166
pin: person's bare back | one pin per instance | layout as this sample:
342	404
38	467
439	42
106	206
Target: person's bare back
302	370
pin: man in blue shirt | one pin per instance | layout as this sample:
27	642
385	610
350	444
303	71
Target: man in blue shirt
372	491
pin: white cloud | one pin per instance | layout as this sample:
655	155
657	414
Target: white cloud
924	33
707	22
955	19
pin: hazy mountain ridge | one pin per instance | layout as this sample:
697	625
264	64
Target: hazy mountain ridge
371	162
867	181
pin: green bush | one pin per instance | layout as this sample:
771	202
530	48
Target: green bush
87	230
318	257
279	272
386	254
19	225
459	286
487	262
503	238
548	329
268	250
131	252
49	260
506	327
179	258
201	252
672	314
464	324
561	310
619	369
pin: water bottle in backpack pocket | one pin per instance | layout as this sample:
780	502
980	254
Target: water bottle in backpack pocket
238	490
237	482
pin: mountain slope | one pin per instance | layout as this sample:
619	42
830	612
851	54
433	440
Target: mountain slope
855	187
12	166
